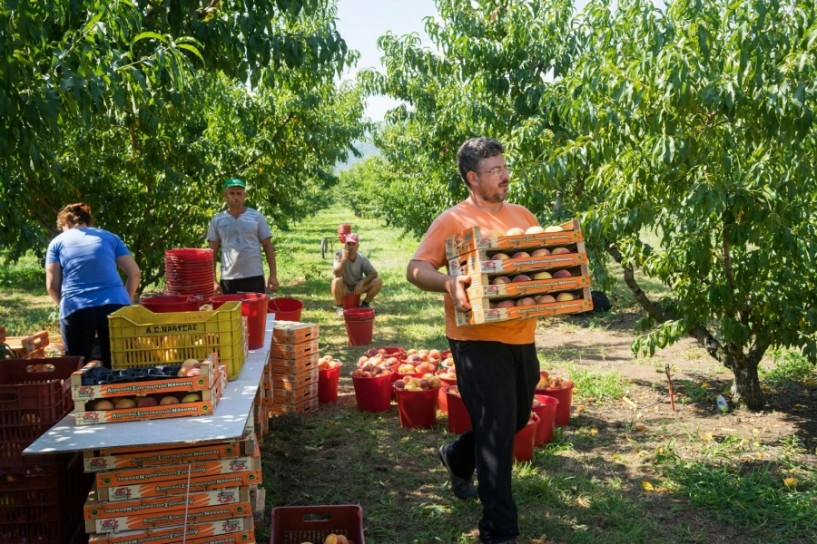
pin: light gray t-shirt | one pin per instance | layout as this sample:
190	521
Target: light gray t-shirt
240	240
354	270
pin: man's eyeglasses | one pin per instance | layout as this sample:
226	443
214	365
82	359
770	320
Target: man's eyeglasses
497	170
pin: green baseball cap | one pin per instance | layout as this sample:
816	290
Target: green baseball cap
234	182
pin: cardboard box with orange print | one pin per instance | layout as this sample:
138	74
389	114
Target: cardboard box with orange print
97	509
474	238
99	462
122	492
181	472
228	531
294	332
168	518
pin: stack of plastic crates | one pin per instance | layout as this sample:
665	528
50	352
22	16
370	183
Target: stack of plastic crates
41	496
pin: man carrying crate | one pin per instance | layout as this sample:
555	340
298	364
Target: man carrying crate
497	366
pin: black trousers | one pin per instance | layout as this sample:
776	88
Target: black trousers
81	327
497	382
254	284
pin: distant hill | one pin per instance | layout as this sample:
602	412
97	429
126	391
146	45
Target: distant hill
366	148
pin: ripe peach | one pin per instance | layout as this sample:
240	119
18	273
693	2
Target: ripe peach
505	304
520	277
543	275
545	299
499	256
515	231
500	280
554	228
563	273
124	403
540	252
191	397
521	255
559	251
145	402
168	400
561	297
526	301
536	229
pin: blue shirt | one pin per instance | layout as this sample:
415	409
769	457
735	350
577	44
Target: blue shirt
90	278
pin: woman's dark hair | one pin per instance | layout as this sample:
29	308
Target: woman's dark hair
473	151
75	214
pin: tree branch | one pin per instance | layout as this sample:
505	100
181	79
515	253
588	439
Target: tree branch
654	310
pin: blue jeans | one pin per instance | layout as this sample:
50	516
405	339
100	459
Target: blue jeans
81	327
497	382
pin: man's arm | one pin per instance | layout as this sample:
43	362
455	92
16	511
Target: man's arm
214	245
426	277
269	251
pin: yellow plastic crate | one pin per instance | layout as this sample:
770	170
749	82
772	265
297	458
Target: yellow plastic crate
141	338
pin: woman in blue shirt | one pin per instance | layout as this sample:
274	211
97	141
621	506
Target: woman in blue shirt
81	276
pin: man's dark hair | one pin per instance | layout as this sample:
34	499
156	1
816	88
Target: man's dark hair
473	151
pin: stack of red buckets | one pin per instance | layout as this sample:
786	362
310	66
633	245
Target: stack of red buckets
189	272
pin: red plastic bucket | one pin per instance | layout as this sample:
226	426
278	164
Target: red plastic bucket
458	419
170	303
417	409
285	308
546	410
565	396
373	394
328	384
254	308
443	399
343	230
359	325
524	439
350	301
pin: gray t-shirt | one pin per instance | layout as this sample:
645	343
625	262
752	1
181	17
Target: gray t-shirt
240	240
354	270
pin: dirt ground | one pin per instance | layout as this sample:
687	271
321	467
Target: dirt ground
623	430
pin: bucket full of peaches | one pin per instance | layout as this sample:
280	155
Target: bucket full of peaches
372	380
417	400
562	390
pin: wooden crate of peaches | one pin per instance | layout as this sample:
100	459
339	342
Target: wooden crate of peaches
538	275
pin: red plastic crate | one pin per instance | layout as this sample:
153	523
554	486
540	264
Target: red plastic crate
34	395
296	524
41	500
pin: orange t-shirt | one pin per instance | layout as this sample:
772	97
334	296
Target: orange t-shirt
432	250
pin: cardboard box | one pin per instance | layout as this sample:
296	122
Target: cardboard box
484	314
123	492
220	450
293	365
169	518
96	509
205	407
206	380
161	473
294	332
473	239
294	351
231	531
481	286
289	396
295	381
481	262
303	406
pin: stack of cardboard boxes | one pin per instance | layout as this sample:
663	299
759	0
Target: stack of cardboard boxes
291	383
206	493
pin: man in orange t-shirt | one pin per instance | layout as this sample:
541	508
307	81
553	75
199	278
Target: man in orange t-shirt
497	366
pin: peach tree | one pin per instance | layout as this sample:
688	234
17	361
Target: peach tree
683	137
142	108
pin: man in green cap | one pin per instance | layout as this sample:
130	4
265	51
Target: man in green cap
241	233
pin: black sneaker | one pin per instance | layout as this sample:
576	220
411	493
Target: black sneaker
463	488
364	304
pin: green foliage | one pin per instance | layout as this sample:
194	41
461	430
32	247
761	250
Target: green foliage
694	124
141	108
